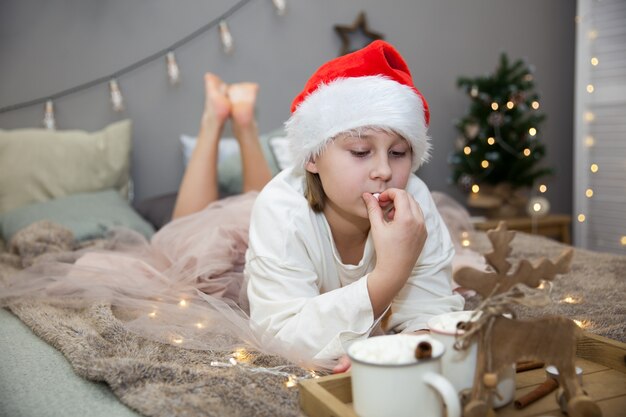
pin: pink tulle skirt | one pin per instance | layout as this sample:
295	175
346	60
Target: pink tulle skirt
184	287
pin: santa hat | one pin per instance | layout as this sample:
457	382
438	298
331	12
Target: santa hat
371	87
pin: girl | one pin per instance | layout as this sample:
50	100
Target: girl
349	233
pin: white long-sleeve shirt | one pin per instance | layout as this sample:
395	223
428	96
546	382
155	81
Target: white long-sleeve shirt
301	293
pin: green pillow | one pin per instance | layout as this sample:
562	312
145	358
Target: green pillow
87	215
37	165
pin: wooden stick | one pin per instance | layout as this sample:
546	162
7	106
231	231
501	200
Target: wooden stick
424	350
541	391
528	365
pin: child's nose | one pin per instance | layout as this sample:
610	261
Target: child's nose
381	168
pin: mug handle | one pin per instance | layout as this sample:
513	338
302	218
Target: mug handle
447	392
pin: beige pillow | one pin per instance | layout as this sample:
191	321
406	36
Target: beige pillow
37	165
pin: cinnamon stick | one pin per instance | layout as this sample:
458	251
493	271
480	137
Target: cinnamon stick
528	365
541	391
424	350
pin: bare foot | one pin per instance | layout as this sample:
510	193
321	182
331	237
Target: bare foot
243	99
216	104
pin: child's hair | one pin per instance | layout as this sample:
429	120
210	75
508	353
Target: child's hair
314	192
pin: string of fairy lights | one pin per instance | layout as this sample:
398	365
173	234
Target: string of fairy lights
241	358
588	118
171	66
591	62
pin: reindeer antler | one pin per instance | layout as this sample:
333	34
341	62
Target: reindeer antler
488	283
500	239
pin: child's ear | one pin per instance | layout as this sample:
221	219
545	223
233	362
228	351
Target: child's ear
311	166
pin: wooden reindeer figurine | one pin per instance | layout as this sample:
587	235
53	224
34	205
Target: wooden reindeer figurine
502	341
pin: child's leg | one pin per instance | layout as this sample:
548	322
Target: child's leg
199	185
255	170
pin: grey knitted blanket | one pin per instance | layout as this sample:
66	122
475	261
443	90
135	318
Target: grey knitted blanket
162	380
153	378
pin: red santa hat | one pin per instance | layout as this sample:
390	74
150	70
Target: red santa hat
371	87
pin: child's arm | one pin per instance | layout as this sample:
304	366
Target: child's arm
398	244
428	291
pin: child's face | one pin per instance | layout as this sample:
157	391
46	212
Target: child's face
351	165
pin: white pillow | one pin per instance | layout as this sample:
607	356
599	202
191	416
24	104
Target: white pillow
229	160
227	147
280	149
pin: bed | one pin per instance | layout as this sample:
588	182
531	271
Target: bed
65	361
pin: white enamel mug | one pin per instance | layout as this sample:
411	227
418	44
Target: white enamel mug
459	366
387	380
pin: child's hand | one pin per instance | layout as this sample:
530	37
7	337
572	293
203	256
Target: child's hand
398	242
343	365
400	239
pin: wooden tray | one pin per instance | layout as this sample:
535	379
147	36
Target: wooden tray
604	377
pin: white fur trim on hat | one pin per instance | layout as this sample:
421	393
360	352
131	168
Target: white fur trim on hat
350	103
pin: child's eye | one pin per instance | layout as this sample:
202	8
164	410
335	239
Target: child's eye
398	154
360	154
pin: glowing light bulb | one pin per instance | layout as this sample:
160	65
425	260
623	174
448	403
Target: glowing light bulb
594	61
183	303
589	193
200	325
281	7
467	150
526	152
623	241
152	314
510	104
484	163
593	34
543	188
537	207
117	100
534	105
494	106
590	88
173	72
594	168
589	116
590	141
571	300
532	131
475	188
581	218
177	340
292	381
491	140
241	355
583	324
48	118
226	37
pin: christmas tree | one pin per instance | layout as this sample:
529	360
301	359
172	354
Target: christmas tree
499	141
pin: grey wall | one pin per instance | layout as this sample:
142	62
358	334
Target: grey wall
50	45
